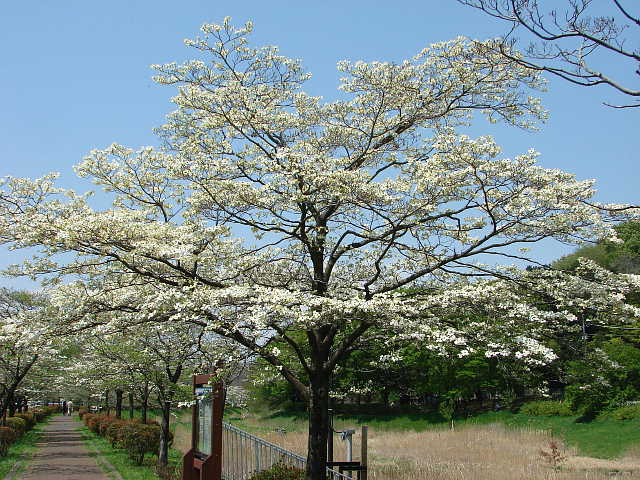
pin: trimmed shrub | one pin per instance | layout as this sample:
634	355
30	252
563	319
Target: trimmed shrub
18	425
114	432
7	436
82	411
279	471
140	439
105	422
628	412
29	418
546	408
40	415
93	422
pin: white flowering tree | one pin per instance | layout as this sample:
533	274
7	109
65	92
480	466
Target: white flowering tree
121	353
272	214
25	342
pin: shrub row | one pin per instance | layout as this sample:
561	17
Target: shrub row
549	408
16	426
546	408
135	437
626	412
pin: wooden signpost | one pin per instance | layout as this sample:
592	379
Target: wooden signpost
204	460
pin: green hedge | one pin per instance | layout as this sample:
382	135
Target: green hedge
17	425
628	412
137	438
546	408
7	436
29	418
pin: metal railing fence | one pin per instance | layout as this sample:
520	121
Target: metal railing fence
244	454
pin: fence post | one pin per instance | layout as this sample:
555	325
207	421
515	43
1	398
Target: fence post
258	457
363	453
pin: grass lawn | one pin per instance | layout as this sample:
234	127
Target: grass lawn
600	438
121	461
23	448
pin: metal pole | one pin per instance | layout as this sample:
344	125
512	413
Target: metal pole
330	437
194	419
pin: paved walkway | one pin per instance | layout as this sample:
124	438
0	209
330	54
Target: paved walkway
62	455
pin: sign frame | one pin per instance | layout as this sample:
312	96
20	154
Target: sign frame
197	465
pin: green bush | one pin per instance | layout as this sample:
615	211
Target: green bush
40	415
546	408
140	439
628	412
7	436
93	422
29	418
19	425
279	471
114	432
86	417
104	424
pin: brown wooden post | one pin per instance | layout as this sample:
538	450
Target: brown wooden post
363	453
216	431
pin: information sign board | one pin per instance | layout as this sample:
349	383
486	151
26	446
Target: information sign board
205	405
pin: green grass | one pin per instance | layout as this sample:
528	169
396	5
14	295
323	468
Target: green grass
121	461
600	438
22	449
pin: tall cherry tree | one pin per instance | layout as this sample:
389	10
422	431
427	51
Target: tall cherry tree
271	214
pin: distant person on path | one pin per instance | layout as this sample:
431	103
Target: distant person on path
69	407
64	407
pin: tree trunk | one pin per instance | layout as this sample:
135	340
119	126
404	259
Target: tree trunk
318	428
119	394
106	402
131	405
145	402
12	406
163	454
3	411
385	398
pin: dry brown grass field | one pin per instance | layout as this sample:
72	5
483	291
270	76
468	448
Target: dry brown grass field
483	452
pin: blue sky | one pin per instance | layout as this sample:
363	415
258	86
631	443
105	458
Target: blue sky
75	76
